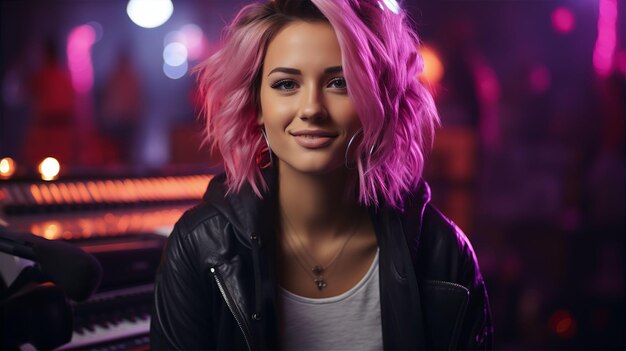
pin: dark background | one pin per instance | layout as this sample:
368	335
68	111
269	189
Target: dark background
529	160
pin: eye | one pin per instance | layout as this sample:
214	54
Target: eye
338	83
284	84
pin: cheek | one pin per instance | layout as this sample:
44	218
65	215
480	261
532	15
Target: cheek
345	114
274	110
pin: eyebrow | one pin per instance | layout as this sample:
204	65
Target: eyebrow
334	69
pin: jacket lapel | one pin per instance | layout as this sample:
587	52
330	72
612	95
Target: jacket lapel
401	311
262	223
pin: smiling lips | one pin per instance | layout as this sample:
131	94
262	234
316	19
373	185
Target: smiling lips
314	139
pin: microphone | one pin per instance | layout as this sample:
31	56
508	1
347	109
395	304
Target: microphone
75	271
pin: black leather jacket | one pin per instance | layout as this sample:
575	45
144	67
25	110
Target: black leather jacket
216	289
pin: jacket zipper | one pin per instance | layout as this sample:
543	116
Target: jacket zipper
448	283
231	307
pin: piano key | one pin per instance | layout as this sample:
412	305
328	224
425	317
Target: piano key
98	334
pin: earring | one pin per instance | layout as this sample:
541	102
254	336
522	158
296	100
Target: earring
353	166
348	165
263	160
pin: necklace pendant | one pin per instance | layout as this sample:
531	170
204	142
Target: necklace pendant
321	283
318	270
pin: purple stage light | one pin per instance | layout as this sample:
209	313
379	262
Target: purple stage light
563	20
79	43
605	42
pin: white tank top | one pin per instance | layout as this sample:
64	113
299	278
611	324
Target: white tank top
350	321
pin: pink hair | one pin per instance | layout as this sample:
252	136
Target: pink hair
381	63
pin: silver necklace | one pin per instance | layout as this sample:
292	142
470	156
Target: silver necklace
319	272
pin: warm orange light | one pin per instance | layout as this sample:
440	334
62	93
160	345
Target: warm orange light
159	191
433	67
93	191
75	195
107	189
45	193
124	195
52	230
149	191
65	192
185	188
169	189
49	168
100	226
56	194
130	189
7	168
83	192
139	189
112	190
123	223
67	235
109	224
34	191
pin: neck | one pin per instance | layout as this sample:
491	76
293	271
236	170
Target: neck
316	205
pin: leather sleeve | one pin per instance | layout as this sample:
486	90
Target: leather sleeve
447	254
180	318
477	328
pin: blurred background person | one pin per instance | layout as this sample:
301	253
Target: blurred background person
122	108
53	127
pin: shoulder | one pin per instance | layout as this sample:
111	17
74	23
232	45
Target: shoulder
202	233
195	217
445	253
184	299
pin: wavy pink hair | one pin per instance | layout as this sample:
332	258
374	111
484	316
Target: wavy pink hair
381	63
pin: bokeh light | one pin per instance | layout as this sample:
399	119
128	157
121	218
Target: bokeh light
563	324
7	168
49	168
606	39
487	83
175	54
563	20
79	43
194	41
149	13
192	37
175	72
433	67
51	230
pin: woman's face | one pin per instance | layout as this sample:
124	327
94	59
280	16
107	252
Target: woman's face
305	107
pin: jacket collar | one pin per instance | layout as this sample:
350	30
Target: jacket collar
245	210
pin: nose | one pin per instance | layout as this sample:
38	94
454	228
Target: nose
312	106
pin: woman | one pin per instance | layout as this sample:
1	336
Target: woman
319	235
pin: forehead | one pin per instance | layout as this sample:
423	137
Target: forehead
300	44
